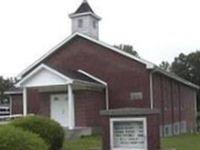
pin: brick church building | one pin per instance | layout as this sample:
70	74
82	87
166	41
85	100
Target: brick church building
82	75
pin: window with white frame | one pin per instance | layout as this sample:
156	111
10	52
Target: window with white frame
128	133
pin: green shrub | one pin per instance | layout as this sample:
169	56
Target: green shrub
49	130
12	138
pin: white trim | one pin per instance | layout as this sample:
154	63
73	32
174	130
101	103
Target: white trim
93	77
148	64
142	119
13	92
100	81
84	14
46	55
151	90
43	66
71	108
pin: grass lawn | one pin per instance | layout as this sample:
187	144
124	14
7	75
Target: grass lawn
183	142
85	143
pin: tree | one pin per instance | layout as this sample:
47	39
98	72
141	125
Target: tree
5	84
165	66
127	48
188	67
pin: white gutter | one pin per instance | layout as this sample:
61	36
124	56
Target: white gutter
100	81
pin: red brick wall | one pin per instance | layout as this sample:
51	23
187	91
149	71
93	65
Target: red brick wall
175	100
17	104
44	108
153	132
87	106
38	103
187	103
123	74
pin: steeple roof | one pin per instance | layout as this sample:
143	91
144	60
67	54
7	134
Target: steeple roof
84	7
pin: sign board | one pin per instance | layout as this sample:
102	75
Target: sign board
128	134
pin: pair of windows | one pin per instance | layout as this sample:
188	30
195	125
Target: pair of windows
80	23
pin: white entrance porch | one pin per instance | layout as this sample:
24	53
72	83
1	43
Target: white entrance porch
46	79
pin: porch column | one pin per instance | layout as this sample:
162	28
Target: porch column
25	101
71	107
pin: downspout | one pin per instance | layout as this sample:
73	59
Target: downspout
107	97
100	81
151	89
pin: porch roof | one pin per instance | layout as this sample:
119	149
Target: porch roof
14	91
45	75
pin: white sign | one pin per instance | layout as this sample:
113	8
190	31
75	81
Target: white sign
128	133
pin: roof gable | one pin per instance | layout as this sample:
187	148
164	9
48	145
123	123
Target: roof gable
44	76
71	37
148	64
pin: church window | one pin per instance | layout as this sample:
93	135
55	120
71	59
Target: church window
80	23
94	24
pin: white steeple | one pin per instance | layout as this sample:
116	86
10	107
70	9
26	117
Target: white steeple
85	21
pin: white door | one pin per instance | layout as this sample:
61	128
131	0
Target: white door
59	109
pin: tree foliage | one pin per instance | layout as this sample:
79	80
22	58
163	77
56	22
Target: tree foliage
5	84
165	66
127	48
188	66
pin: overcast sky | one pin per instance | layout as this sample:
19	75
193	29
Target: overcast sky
158	29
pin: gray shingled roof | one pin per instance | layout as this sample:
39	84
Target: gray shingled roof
84	7
75	75
13	90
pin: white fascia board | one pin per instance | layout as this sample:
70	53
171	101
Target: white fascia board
84	14
46	55
93	77
13	92
100	81
43	66
148	64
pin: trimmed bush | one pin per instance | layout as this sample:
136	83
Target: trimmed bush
12	138
49	130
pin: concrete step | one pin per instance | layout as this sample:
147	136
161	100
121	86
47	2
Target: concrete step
78	132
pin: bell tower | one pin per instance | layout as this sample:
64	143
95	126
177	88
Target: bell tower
85	21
